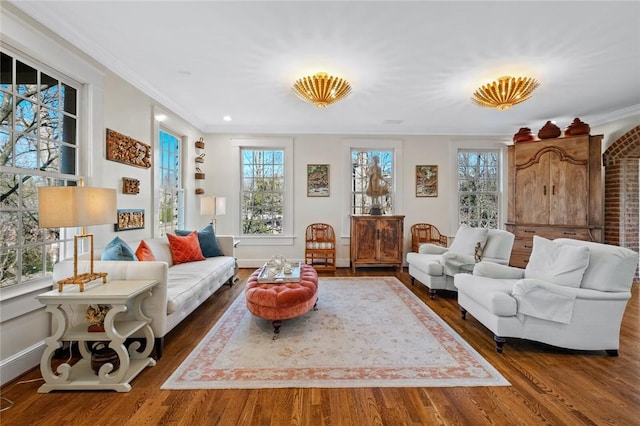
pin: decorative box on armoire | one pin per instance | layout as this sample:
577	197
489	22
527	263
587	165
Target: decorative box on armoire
376	240
554	191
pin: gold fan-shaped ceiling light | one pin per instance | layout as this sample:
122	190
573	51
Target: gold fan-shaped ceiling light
505	93
321	89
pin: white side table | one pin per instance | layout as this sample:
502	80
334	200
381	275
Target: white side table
80	376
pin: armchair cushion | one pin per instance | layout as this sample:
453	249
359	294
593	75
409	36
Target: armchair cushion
466	239
544	300
428	248
495	270
557	263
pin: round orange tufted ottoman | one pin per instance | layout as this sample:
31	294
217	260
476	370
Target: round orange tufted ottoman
281	301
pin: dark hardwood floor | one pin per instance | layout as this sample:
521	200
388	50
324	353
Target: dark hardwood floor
549	386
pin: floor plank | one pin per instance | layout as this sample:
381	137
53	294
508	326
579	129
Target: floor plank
548	385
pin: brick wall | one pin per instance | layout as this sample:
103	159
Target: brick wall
622	191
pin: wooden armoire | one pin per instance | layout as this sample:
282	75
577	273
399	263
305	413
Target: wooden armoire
555	191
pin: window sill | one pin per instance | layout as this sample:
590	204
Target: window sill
39	285
269	240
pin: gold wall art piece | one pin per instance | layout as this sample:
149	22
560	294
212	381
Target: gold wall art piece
129	219
130	185
127	150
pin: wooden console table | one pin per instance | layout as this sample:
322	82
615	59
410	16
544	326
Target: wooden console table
80	376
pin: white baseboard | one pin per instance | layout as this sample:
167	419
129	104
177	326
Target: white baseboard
21	362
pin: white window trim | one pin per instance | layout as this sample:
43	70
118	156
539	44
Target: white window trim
29	42
395	145
477	145
286	144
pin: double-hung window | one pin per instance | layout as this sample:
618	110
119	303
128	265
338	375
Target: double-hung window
479	188
171	194
38	134
371	168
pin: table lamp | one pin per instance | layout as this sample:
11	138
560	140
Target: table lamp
213	206
77	206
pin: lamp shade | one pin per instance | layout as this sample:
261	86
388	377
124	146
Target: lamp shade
213	206
221	206
69	206
208	206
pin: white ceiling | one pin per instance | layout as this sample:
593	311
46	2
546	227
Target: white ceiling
412	65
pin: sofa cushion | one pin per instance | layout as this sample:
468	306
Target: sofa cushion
557	263
143	252
185	249
208	241
118	249
467	238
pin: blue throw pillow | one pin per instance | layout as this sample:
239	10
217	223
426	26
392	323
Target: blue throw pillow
118	249
208	241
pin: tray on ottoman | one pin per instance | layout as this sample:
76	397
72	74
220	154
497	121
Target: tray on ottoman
265	278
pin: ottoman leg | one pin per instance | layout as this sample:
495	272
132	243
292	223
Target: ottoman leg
276	328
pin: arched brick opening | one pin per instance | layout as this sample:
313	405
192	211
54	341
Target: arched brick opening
622	191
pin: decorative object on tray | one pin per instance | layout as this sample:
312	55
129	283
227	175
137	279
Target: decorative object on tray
102	354
124	149
95	316
279	270
549	130
578	127
523	135
129	219
130	186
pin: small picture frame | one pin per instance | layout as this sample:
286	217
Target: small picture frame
317	180
128	219
426	181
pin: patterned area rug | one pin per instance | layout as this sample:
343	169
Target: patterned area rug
367	332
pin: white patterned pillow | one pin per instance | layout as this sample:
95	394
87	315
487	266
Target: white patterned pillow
560	264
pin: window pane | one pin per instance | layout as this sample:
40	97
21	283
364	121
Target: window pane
49	123
6	148
26	114
6	109
26	79
27	152
69	99
8	267
6	71
49	91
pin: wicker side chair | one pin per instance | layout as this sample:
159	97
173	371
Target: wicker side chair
320	247
426	233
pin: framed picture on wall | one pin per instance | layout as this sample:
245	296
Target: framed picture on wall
427	181
317	180
129	219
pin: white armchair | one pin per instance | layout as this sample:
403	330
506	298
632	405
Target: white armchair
434	265
571	295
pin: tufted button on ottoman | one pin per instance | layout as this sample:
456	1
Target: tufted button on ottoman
277	302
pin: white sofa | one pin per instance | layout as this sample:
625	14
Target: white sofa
571	295
181	288
434	265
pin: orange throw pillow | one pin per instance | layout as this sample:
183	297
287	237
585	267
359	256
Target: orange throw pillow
185	249
144	253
